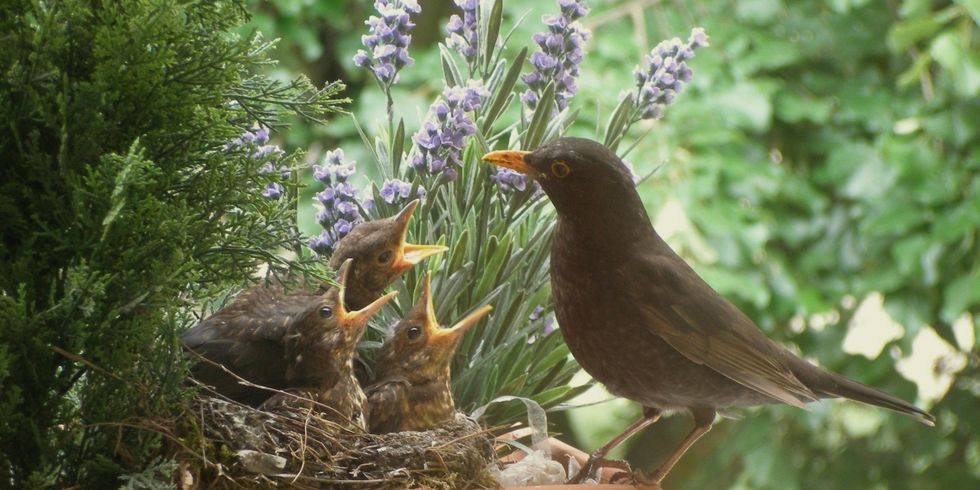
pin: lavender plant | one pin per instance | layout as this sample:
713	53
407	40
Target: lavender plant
340	207
659	79
561	49
388	39
254	144
463	36
439	143
496	226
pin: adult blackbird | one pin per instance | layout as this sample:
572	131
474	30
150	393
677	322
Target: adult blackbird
412	392
319	350
246	336
641	321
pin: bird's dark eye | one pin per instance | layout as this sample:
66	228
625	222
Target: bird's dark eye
560	169
326	312
385	257
413	333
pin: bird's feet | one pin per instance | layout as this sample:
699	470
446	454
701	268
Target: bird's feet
636	478
594	464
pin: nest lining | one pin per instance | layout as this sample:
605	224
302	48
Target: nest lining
230	445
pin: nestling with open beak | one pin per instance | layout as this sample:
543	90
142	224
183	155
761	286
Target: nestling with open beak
380	255
319	356
413	392
641	321
246	336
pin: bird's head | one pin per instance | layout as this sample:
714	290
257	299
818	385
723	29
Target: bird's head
380	254
577	174
418	348
330	324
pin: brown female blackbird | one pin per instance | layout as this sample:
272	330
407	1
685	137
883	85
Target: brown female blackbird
319	350
413	370
641	321
246	336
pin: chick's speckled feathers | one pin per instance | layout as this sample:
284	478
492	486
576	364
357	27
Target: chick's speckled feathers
320	353
246	337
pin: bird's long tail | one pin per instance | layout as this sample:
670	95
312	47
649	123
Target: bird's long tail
847	388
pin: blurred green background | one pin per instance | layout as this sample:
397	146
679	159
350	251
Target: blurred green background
822	171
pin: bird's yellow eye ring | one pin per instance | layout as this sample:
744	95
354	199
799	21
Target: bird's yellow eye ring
560	169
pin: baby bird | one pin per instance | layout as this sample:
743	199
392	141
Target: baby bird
380	255
412	392
246	336
319	355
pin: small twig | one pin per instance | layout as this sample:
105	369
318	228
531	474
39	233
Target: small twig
85	362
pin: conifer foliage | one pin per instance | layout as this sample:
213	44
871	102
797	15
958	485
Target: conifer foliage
120	205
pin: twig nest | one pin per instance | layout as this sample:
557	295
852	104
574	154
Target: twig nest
233	445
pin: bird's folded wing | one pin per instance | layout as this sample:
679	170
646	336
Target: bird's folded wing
384	404
261	363
263	312
704	327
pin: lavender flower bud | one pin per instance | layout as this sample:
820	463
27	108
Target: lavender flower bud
438	144
273	191
665	73
388	40
462	31
561	52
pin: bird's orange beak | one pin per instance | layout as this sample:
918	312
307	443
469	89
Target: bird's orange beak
410	255
512	159
446	335
456	331
358	318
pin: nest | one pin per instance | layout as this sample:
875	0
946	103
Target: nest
224	444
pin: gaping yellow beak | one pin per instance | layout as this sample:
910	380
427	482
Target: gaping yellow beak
409	254
431	324
358	318
457	330
512	159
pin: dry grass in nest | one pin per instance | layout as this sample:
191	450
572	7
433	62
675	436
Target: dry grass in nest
223	444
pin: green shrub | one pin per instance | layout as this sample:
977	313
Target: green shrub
121	210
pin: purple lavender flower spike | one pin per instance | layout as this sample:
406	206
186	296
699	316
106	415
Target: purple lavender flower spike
388	40
549	325
321	174
438	144
396	191
342	226
321	244
663	73
273	191
463	30
340	207
253	143
561	50
262	135
536	314
510	181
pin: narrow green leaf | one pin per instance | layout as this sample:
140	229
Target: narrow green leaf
617	123
539	121
493	32
397	147
449	69
502	95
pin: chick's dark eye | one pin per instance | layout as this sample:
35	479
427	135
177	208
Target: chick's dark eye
326	312
385	257
413	333
560	169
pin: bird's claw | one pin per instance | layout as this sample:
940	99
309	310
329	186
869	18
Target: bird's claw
637	479
594	464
